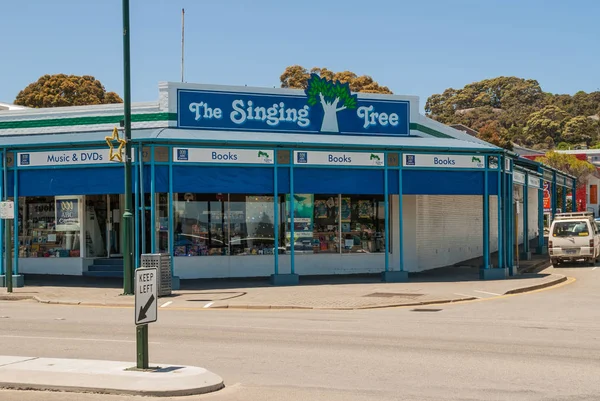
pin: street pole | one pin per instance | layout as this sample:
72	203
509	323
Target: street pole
127	229
8	246
128	246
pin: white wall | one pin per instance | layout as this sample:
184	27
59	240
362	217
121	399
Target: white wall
61	266
449	230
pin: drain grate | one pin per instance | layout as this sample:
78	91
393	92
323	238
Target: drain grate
425	310
393	294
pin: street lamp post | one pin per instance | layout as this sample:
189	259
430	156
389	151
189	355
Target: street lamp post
127	229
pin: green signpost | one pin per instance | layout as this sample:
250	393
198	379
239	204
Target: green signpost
127	234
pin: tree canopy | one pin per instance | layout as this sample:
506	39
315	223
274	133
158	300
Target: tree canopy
297	77
569	164
521	112
65	90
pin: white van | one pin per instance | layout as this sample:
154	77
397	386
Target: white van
573	237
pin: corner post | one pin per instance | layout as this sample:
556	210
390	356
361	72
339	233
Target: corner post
526	218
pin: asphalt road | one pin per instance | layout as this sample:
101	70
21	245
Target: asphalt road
536	346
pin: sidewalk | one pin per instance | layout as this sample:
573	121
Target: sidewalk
449	284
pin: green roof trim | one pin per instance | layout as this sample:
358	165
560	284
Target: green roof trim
429	131
92	120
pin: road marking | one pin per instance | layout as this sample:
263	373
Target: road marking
71	339
208	305
485	292
594	268
465	295
166	304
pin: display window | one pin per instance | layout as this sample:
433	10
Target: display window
49	227
336	223
223	224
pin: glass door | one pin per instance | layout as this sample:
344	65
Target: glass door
114	211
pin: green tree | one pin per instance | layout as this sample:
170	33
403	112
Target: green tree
569	164
581	129
334	97
297	77
545	125
493	133
65	90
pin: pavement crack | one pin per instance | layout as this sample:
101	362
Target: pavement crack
19	361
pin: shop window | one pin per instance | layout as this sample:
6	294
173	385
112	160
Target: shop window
162	223
336	224
50	227
251	225
363	224
223	224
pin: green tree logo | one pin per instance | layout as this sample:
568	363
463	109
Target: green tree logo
334	97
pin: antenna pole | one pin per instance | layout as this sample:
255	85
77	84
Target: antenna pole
182	39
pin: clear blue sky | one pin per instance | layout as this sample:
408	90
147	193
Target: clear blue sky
414	47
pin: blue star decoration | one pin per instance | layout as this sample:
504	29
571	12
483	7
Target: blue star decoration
110	141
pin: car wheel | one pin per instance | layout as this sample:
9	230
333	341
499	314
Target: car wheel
554	262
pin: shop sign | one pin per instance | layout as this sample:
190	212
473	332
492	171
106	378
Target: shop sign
232	156
547	198
303	207
519	177
64	158
67	213
324	107
339	158
444	161
533	181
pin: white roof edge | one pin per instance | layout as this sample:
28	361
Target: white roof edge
166	85
49	112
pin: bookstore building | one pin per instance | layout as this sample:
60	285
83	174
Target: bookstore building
256	182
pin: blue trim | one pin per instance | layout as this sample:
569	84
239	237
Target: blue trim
152	203
387	217
276	214
486	222
292	220
400	217
541	219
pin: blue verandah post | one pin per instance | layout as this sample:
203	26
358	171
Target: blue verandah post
500	220
486	220
541	241
554	195
16	222
564	195
275	215
152	202
171	215
509	219
400	216
526	214
574	196
387	216
292	219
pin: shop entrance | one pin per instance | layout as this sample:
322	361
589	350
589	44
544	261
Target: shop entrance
114	211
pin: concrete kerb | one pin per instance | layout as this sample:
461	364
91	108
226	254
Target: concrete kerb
520	290
556	281
105	377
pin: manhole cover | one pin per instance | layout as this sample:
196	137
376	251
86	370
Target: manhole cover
393	294
425	310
